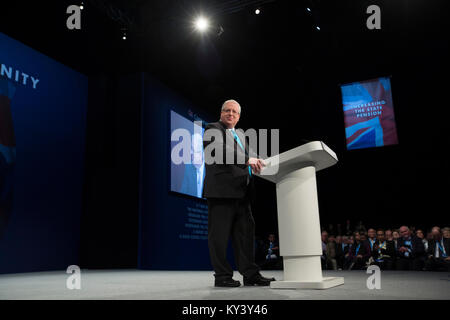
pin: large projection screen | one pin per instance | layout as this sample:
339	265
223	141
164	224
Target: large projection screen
186	177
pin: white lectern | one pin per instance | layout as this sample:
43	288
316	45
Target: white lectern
294	173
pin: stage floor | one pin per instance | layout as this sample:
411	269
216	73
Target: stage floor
198	285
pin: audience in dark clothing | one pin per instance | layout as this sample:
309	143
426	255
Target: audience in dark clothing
393	249
438	252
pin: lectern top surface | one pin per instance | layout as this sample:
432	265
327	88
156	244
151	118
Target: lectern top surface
315	153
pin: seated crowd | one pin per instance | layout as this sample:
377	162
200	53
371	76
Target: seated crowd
402	249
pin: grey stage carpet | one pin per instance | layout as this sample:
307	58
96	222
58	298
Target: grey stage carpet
187	285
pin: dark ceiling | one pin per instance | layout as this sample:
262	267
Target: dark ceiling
267	55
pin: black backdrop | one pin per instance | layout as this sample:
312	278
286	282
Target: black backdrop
286	76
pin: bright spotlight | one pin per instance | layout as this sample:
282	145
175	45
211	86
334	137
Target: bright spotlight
257	11
201	24
318	28
308	9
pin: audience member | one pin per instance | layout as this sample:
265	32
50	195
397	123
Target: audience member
272	259
372	238
347	259
331	253
383	252
438	252
446	232
410	251
420	235
429	236
358	254
341	250
388	235
395	236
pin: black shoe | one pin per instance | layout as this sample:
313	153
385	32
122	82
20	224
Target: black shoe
257	280
230	283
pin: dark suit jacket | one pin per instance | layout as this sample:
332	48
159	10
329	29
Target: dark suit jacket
363	250
224	180
417	250
390	249
367	244
339	252
432	247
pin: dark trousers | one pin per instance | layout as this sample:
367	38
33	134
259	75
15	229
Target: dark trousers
231	217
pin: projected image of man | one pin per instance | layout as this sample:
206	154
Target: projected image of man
194	172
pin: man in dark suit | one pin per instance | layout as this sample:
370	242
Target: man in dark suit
341	250
228	188
383	251
438	252
371	239
358	254
410	251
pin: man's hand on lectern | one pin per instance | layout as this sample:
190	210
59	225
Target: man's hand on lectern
256	164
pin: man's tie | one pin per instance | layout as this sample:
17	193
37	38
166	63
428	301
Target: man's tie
236	137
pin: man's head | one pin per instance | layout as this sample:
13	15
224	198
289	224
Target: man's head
344	239
395	234
371	233
436	232
230	113
380	235
404	232
351	239
271	237
338	239
331	238
446	233
324	236
388	234
419	234
357	236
